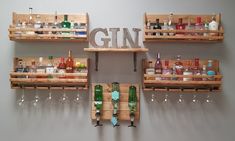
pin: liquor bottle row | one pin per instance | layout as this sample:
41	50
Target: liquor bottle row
52	66
169	24
189	67
38	25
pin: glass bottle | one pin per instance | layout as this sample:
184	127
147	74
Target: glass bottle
30	23
149	27
72	27
166	70
157	26
33	66
98	97
206	27
165	27
204	72
180	26
70	63
55	24
198	25
115	102
189	27
179	68
174	72
62	66
213	26
196	69
158	66
50	66
171	24
38	24
188	71
210	70
66	24
132	104
150	70
41	68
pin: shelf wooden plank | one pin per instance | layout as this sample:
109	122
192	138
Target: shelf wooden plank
209	38
48	74
175	82
14	29
183	31
47	81
116	49
185	91
183	76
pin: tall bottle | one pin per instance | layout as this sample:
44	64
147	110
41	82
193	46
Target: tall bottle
30	23
158	66
210	70
213	26
98	98
55	24
149	27
179	68
70	63
198	25
171	24
188	71
132	104
165	27
157	26
66	24
115	102
62	66
180	26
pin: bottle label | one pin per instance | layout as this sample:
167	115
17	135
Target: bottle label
115	95
114	121
158	71
210	73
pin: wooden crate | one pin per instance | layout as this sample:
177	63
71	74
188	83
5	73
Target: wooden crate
48	18
27	80
107	111
182	38
150	83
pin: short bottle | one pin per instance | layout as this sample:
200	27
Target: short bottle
165	27
41	68
180	26
62	66
199	25
204	73
70	63
166	70
213	26
150	69
149	27
210	70
157	26
158	66
66	25
188	71
38	24
50	66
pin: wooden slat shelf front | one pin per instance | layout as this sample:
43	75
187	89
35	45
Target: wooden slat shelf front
29	80
116	49
175	83
20	33
107	111
184	35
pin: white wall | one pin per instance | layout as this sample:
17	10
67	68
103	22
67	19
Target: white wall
213	122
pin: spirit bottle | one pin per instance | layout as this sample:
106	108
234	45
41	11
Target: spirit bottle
41	68
33	66
150	70
115	102
188	71
171	24
196	69
189	27
132	104
165	27
98	103
62	66
179	68
55	24
69	63
206	27
157	26
149	27
38	24
210	70
174	72
66	25
199	25
166	70
50	67
180	26
30	22
158	66
213	26
21	66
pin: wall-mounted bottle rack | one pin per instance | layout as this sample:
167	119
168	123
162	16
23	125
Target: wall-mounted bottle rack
21	31
107	110
182	83
22	78
190	34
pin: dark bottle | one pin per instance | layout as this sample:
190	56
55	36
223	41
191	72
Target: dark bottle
196	69
180	26
158	66
132	104
166	70
157	26
70	63
62	66
179	68
210	70
66	24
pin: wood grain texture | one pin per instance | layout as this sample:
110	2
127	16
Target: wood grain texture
107	110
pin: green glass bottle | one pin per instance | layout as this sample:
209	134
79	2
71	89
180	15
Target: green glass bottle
98	103
115	102
66	24
132	104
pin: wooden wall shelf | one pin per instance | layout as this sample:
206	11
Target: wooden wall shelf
17	33
182	37
150	83
130	50
28	80
107	110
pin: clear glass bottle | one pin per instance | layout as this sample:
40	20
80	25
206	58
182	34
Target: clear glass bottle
188	71
179	66
204	72
189	27
158	66
41	67
50	66
150	70
165	27
157	26
213	26
33	66
30	23
55	24
38	24
210	70
149	27
206	27
171	24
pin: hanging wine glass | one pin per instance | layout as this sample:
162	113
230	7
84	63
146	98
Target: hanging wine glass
77	98
49	99
36	98
166	100
195	99
21	101
64	99
153	96
209	98
180	100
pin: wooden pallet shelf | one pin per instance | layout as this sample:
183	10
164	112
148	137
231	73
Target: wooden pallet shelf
107	110
182	37
20	33
124	50
70	81
167	83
